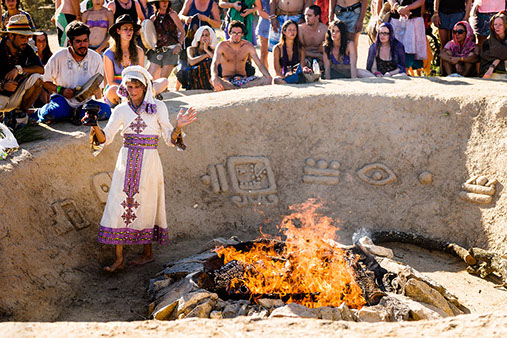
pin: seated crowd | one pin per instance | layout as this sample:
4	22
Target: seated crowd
106	38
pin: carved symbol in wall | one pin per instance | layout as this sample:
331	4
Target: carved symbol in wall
478	189
376	174
321	172
67	217
249	178
101	184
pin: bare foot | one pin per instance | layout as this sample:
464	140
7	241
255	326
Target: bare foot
117	266
142	259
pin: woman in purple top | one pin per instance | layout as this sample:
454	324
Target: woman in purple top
386	57
340	56
124	52
99	19
288	53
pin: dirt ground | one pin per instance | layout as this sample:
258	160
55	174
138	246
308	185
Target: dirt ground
123	297
119	301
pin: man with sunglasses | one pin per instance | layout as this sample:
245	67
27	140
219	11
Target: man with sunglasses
228	68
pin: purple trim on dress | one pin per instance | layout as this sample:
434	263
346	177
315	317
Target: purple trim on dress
131	236
135	144
149	108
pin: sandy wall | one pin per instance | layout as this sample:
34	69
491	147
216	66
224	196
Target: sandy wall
300	142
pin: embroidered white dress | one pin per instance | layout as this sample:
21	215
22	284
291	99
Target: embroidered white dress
135	208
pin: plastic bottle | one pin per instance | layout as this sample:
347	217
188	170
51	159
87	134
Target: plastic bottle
316	67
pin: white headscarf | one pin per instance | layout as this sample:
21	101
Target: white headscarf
141	74
212	35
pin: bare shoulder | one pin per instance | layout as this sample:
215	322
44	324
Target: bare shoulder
221	45
322	26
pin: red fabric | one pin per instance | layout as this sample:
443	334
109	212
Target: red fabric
324	7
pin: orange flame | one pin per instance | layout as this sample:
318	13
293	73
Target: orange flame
309	265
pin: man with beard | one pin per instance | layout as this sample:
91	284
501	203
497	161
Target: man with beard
312	34
231	57
67	69
282	11
20	69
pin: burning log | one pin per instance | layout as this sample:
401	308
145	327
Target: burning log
222	278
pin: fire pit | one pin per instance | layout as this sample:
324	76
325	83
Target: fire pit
307	274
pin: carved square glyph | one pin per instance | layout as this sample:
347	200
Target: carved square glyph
251	175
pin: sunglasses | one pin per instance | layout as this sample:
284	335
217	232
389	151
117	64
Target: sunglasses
459	31
384	33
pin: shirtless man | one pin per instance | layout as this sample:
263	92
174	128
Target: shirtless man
352	13
281	11
232	55
312	33
66	11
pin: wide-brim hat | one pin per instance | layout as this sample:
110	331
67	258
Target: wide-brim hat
122	20
18	24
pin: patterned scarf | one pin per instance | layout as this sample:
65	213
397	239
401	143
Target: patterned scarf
468	45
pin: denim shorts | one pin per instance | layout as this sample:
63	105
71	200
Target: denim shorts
349	18
448	21
481	23
163	58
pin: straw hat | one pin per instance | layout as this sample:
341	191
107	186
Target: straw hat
121	20
18	24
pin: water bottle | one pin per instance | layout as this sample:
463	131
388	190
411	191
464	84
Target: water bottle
316	67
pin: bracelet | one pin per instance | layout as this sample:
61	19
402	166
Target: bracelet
59	89
174	131
272	17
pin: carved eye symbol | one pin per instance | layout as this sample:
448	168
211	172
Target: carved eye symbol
376	174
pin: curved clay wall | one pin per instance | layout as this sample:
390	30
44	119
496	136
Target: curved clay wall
360	146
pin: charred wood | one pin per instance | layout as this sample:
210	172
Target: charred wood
424	242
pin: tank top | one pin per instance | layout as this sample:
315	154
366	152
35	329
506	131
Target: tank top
117	67
287	64
346	60
193	9
167	32
120	10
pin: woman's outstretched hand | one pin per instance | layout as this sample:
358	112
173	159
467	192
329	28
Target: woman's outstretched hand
186	118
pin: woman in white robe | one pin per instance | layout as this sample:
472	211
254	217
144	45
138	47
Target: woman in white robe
135	208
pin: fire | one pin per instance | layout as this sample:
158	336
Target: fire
308	266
